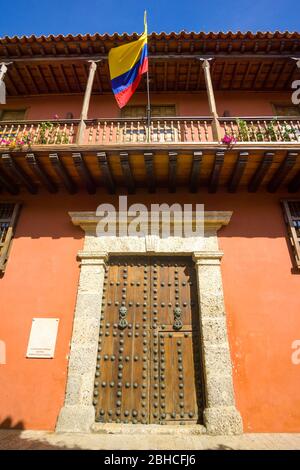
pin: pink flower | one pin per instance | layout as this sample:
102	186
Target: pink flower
228	139
56	116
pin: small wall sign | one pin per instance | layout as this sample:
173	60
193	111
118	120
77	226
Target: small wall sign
42	338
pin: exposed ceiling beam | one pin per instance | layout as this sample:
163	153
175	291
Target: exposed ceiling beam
294	184
104	57
8	184
150	173
282	171
127	172
195	171
172	171
42	76
238	171
62	173
17	173
106	172
261	172
40	172
84	172
216	171
53	78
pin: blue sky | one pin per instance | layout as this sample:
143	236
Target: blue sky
79	16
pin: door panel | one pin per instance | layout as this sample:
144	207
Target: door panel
148	367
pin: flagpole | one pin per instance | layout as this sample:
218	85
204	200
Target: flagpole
148	108
148	87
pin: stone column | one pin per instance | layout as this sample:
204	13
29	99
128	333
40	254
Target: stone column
78	413
220	413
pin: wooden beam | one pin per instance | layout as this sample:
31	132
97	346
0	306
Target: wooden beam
253	84
245	78
17	173
98	79
294	184
282	171
127	172
21	80
62	58
222	76
188	77
215	174
42	76
150	173
172	171
76	78
53	78
32	80
238	171
291	74
62	173
64	77
195	171
8	184
106	172
280	74
84	172
40	172
165	76
10	84
261	172
235	66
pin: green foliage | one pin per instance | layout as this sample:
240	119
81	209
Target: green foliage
243	130
48	134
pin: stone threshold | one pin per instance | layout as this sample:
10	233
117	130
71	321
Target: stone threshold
148	429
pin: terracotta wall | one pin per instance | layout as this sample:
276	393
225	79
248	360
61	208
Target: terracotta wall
261	295
237	103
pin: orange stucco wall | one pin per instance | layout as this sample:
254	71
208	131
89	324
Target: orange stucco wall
261	296
104	106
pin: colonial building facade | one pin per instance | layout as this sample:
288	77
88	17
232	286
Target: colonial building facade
99	331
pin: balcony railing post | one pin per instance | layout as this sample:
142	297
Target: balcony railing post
211	101
86	102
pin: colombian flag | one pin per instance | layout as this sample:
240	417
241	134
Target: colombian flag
126	65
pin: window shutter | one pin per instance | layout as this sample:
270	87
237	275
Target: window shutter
8	217
292	219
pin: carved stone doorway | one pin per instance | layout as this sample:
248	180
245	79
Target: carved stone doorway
220	415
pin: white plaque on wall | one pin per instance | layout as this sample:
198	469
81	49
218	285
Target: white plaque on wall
42	338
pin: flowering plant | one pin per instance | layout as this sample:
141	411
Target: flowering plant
15	142
228	139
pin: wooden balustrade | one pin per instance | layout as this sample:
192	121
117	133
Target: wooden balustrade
19	134
162	130
262	129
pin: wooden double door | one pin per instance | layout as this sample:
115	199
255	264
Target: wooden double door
148	362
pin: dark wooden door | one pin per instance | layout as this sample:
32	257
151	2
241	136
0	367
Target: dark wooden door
148	364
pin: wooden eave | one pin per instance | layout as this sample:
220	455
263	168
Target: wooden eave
117	169
241	61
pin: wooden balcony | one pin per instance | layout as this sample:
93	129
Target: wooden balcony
119	155
98	133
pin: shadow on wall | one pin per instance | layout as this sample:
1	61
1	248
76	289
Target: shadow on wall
13	437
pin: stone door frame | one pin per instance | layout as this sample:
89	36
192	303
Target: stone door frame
220	413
